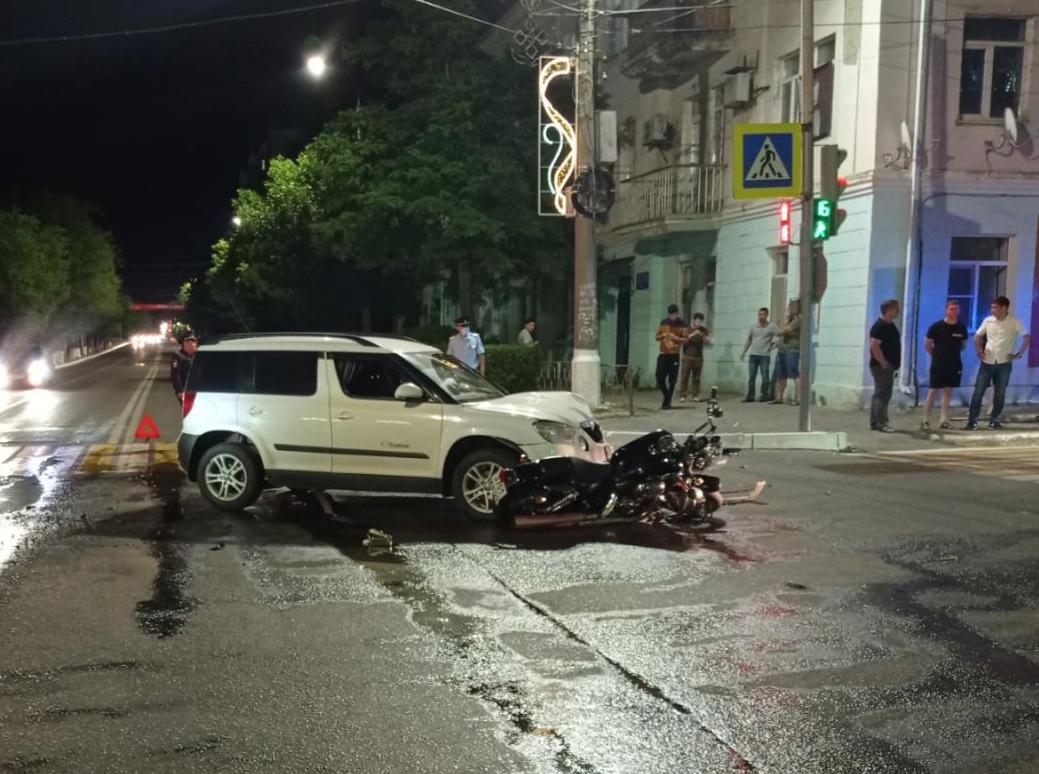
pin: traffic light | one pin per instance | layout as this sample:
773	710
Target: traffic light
827	217
784	221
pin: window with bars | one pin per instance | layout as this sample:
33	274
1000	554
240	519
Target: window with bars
977	274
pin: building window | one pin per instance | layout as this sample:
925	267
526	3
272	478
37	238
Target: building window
992	65
790	88
977	274
718	125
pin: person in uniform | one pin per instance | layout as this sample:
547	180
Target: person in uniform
466	346
181	362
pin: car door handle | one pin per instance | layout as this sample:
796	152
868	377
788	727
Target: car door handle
344	415
255	411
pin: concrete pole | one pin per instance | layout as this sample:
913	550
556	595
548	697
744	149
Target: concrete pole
585	366
805	249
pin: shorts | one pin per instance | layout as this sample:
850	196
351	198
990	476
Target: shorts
945	375
788	365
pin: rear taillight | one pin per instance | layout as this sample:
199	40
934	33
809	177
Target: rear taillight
189	402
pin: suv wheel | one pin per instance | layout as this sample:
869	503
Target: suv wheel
229	477
476	484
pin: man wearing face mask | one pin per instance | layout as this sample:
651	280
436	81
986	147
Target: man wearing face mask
467	346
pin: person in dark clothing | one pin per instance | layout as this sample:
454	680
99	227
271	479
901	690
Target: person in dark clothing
672	335
945	341
885	349
181	362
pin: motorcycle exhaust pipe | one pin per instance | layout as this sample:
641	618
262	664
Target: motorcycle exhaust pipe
541	521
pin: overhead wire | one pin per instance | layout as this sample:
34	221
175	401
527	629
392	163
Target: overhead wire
201	23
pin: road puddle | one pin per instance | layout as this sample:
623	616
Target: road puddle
166	612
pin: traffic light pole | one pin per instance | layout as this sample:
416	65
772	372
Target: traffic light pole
585	366
805	249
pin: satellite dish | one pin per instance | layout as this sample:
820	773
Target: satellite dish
1010	123
907	139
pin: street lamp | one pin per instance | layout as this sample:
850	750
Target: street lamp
316	65
236	222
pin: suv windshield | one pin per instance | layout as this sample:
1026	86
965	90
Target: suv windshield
459	381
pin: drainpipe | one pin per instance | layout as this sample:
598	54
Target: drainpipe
914	232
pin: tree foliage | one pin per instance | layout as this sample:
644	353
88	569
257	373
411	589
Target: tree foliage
433	178
58	268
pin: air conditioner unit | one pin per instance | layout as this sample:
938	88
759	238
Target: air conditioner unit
737	92
658	132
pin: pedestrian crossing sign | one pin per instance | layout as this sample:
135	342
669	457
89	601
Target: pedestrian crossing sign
767	161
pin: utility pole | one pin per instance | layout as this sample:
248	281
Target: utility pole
806	249
585	366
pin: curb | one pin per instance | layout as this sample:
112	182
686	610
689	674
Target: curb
814	441
77	361
988	438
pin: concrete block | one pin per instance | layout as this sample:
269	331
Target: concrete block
815	441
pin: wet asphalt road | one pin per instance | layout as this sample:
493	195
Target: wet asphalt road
874	616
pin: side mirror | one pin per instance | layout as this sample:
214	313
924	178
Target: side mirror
409	391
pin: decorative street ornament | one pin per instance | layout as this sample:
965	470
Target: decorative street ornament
557	134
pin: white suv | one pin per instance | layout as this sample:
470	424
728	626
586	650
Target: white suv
363	413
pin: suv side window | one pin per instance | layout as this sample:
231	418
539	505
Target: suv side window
285	373
217	372
368	376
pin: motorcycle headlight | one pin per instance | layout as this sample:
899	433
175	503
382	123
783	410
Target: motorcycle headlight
37	372
556	432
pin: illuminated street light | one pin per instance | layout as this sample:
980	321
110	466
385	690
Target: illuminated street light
236	222
316	65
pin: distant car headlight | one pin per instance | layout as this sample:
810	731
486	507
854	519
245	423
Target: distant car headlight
556	432
38	372
5	379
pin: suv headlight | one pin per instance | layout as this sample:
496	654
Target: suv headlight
38	372
556	432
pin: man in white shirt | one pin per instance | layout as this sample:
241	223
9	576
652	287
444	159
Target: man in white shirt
994	343
467	346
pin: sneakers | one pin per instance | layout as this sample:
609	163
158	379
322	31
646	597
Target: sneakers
971	426
996	425
748	400
681	398
946	425
886	429
925	426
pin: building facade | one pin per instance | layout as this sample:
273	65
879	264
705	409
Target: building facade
679	82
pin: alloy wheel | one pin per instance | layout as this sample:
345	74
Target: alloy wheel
226	477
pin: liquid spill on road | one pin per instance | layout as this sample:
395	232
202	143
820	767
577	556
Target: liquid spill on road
167	611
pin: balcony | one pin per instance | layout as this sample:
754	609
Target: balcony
689	193
670	54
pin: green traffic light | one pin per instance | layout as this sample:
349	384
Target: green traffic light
822	218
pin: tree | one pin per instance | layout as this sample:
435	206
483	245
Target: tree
34	269
433	178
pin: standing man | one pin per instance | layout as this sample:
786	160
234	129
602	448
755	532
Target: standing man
526	334
994	342
788	353
760	343
692	357
181	363
885	357
945	340
466	346
671	335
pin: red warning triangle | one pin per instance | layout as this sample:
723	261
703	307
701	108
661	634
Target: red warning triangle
147	430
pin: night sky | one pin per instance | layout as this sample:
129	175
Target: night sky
157	128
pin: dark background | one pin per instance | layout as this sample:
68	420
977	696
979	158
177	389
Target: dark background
157	129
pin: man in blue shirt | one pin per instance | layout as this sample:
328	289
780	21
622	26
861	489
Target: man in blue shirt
467	346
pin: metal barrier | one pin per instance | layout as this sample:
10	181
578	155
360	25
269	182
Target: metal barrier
617	383
684	190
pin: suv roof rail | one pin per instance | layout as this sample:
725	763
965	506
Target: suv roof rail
362	339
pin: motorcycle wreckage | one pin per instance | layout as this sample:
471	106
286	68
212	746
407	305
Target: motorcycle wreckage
654	479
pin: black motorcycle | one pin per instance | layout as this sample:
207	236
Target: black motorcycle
653	478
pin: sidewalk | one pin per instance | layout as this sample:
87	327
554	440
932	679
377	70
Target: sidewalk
760	420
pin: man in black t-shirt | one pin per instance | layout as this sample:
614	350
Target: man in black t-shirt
885	350
945	340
